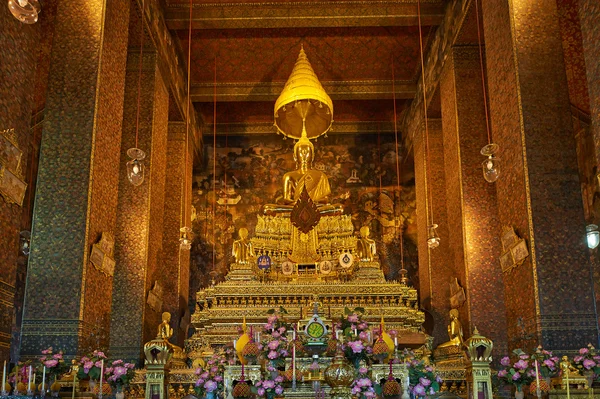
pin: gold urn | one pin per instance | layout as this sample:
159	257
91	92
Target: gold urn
339	375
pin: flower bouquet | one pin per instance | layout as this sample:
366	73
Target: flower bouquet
548	364
518	374
587	361
210	379
119	373
362	386
422	377
54	363
275	344
90	366
357	336
269	388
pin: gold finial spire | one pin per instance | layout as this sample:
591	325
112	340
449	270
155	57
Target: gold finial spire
303	107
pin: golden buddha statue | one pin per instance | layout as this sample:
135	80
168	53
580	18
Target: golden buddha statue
315	182
242	249
366	247
455	331
567	368
165	332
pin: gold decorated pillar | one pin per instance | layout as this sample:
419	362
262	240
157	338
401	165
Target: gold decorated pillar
470	199
549	298
435	265
68	298
140	273
177	214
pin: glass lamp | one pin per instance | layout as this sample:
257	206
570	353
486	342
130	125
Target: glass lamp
26	11
25	244
491	166
433	240
135	167
593	236
185	238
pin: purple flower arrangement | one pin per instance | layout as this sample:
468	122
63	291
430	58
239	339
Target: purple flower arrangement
90	366
519	373
119	373
357	346
587	361
548	364
54	363
423	379
362	386
274	346
210	378
269	387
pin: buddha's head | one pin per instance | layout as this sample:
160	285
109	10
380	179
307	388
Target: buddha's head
364	232
243	232
453	314
304	153
166	316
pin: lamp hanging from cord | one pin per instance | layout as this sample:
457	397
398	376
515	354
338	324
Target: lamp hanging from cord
433	239
490	166
186	232
26	11
135	166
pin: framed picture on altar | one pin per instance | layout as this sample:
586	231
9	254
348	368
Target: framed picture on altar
506	261
11	187
10	154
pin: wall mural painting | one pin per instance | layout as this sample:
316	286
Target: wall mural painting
249	173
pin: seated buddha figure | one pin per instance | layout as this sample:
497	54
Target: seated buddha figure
314	181
455	331
366	247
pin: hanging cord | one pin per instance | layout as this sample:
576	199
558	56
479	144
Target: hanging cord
139	94
214	166
187	122
427	161
400	238
485	105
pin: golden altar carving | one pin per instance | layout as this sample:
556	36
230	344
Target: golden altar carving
327	260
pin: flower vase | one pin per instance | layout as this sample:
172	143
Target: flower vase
271	395
92	385
120	394
519	394
209	395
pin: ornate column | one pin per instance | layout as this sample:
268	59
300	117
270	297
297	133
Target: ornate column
140	273
436	267
589	14
177	209
549	298
67	300
471	201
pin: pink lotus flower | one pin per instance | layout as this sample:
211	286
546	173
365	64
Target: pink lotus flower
505	361
210	386
276	334
516	376
578	359
521	364
363	370
278	389
268	384
272	355
279	379
272	319
353	318
550	364
502	373
583	351
588	364
419	390
260	391
356	346
51	363
424	381
218	378
273	345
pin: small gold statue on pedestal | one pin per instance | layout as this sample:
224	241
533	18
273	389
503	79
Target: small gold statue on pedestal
570	375
242	249
366	247
455	331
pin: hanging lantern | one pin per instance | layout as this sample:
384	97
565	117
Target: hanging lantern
135	167
25	244
26	11
433	240
491	166
593	236
185	238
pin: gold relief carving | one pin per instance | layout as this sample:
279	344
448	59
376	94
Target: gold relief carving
103	253
12	187
514	249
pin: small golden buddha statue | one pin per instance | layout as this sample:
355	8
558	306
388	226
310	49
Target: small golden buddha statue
165	332
315	182
242	248
366	247
567	368
455	331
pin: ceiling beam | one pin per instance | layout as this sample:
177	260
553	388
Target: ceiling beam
314	14
337	90
263	128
